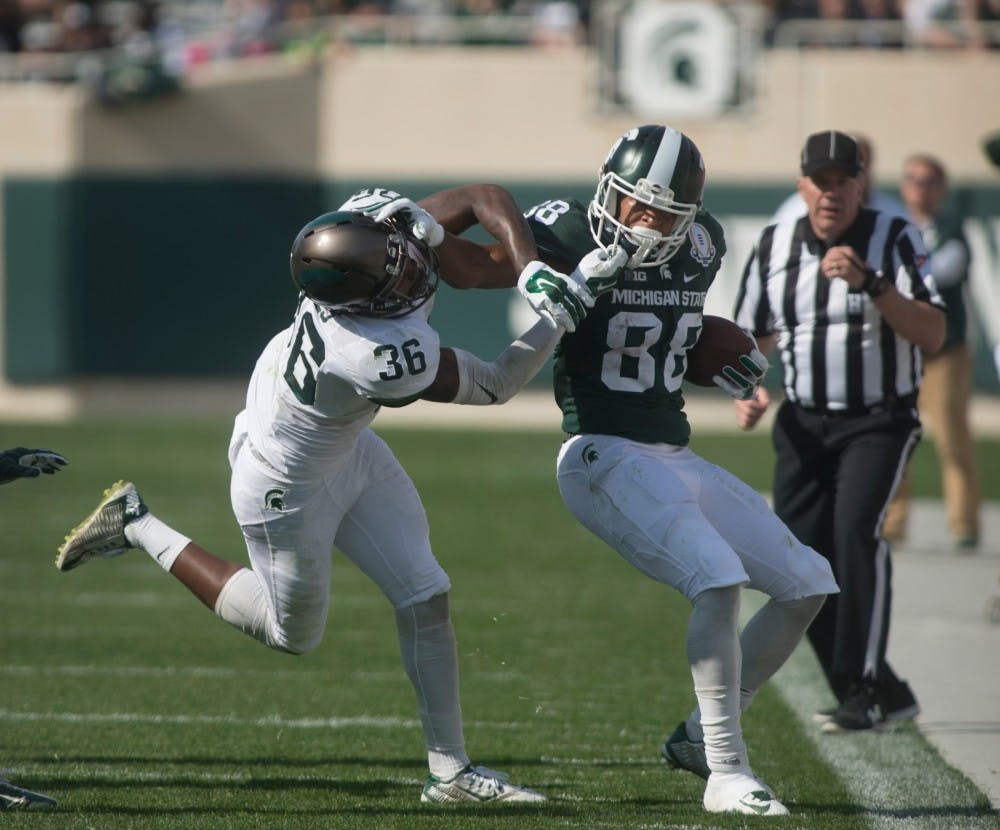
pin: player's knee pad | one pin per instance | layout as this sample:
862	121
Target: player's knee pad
243	604
426	614
804	609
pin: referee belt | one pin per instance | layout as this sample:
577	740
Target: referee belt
902	403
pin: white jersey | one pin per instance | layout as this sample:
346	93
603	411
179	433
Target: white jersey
319	382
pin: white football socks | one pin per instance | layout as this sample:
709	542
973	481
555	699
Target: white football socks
713	651
160	541
768	640
430	658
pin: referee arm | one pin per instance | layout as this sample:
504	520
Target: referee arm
919	322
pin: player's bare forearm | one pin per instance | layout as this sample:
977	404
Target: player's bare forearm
466	264
492	207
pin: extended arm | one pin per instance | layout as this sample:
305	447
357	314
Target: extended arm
21	462
492	207
464	378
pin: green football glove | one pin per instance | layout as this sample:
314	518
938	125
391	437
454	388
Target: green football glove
743	385
560	299
20	462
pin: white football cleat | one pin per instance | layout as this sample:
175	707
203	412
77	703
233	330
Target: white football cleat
102	533
741	793
478	785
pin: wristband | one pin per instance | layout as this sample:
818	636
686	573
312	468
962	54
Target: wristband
875	284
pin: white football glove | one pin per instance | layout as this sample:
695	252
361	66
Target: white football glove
424	226
380	203
370	200
743	385
599	271
560	299
20	462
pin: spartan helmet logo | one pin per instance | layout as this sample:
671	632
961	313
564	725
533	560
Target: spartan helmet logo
275	500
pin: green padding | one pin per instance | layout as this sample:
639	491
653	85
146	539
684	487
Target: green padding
37	308
148	276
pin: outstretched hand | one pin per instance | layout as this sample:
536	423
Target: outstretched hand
20	462
562	300
381	204
424	226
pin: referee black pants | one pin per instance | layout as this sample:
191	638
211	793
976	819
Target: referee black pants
834	478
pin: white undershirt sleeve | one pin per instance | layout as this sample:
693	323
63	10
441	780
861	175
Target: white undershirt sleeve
481	383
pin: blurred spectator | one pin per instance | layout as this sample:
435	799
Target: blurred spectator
947	385
11	21
882	17
945	23
556	23
78	27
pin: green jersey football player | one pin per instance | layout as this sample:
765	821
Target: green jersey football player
625	470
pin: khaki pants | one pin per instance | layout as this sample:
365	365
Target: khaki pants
944	409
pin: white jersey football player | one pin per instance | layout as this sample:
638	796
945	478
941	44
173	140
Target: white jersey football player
308	474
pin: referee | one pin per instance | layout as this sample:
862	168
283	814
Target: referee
847	296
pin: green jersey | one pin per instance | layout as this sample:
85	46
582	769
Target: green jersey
620	372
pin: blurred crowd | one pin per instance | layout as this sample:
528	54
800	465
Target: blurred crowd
885	23
182	33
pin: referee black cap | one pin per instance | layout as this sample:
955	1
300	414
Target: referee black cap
831	148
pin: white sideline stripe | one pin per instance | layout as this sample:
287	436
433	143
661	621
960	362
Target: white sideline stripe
268	722
215	671
893	776
225	720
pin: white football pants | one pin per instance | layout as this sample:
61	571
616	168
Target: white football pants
366	506
684	521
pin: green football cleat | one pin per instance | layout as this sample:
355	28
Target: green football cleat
680	752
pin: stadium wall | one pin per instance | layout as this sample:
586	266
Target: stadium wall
150	240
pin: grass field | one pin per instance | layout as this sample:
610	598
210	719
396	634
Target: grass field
129	702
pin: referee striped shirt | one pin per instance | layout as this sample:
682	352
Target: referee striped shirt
837	352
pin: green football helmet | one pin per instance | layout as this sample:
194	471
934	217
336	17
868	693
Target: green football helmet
659	167
351	264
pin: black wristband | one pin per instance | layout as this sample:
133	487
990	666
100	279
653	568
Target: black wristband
874	284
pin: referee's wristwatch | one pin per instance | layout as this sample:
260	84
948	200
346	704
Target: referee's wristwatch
875	284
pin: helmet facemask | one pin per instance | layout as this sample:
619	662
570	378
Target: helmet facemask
646	247
411	270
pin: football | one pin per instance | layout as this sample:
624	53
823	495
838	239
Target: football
720	344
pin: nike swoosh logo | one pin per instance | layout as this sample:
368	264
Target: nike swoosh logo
689	277
492	397
753	801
